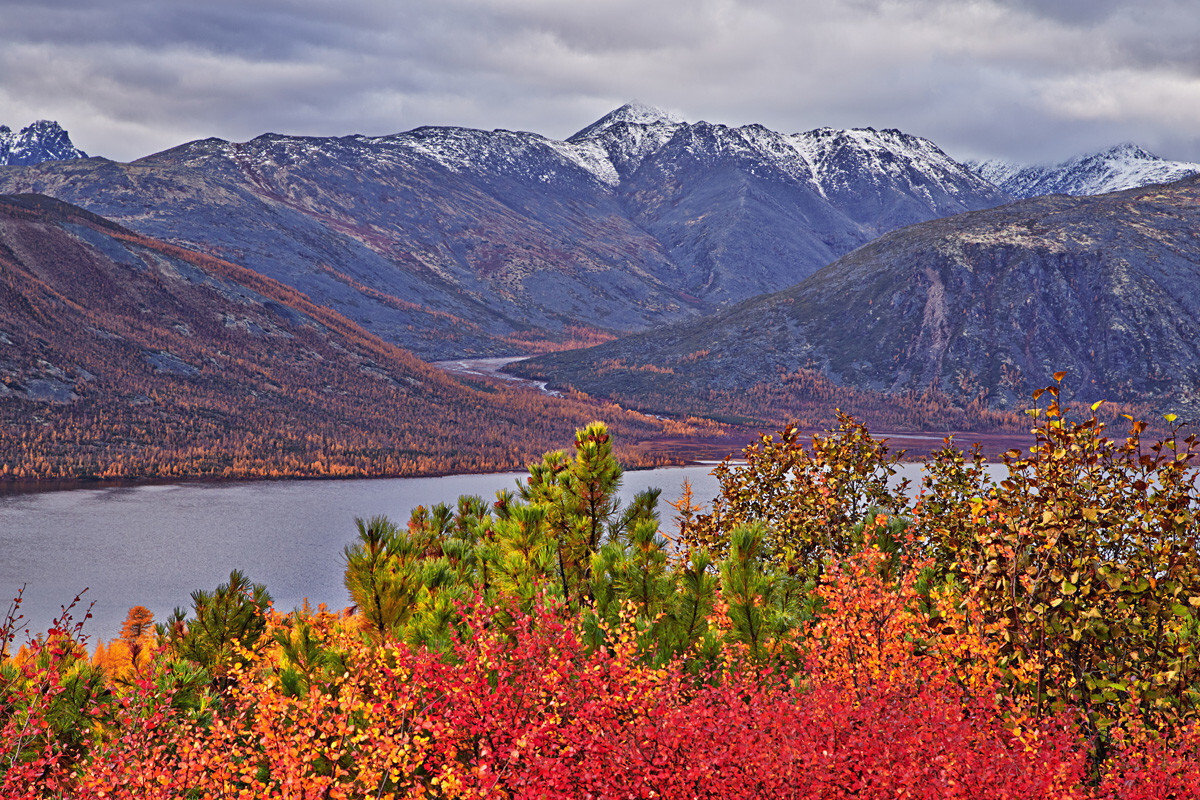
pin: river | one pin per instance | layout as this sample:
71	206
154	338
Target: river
493	368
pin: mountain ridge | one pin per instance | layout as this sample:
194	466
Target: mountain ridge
1122	166
517	235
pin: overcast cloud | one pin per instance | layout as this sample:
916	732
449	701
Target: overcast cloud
1028	80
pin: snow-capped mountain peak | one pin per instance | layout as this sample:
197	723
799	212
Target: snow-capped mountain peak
630	113
849	160
611	150
1124	166
44	140
1129	150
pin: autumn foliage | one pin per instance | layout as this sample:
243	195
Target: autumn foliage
837	641
123	357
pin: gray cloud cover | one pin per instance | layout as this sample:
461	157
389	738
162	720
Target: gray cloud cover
1030	80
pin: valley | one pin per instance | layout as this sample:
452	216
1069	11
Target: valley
124	357
972	312
273	308
493	368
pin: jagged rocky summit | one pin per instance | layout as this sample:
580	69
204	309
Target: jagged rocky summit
44	140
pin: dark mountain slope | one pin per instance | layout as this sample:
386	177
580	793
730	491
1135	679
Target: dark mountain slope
223	216
982	305
124	356
748	210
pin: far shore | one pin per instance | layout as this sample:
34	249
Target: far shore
677	451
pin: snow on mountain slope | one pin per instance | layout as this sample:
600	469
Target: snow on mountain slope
622	139
827	159
1125	166
614	147
44	140
841	158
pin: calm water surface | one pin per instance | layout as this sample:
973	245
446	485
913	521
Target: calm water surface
154	545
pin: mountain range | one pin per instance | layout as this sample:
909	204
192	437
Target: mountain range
755	276
1125	166
982	307
450	241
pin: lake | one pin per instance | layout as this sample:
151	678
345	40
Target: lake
154	545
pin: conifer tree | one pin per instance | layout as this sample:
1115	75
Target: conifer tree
225	622
383	573
136	632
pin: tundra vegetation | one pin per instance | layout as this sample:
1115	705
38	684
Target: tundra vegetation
816	632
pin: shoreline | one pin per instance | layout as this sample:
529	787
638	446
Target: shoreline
681	451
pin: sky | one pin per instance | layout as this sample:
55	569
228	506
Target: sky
1032	81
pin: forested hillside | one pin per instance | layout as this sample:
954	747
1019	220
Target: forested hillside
121	356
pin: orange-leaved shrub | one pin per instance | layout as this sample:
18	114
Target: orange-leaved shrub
523	708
